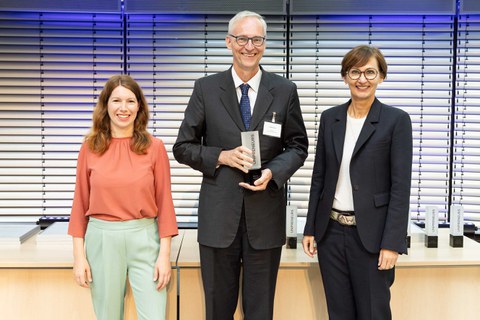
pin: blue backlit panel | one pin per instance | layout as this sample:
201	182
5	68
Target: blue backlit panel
358	7
97	6
470	6
205	6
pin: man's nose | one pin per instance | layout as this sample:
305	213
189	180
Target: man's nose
249	44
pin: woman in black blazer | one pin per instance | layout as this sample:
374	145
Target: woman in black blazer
360	193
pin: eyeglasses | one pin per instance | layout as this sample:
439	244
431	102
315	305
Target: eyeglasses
369	74
242	40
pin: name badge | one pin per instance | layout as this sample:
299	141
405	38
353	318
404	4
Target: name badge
272	129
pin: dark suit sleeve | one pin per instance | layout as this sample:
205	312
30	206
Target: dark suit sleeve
396	223
295	143
318	177
188	149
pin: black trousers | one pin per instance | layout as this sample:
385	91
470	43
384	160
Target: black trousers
354	287
221	268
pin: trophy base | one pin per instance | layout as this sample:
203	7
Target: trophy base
431	241
253	175
409	241
456	241
291	243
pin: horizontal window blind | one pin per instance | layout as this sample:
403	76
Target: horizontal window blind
419	53
52	68
166	54
466	142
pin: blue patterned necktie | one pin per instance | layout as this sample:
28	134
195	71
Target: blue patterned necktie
245	105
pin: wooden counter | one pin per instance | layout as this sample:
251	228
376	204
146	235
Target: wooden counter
37	283
441	283
437	283
298	294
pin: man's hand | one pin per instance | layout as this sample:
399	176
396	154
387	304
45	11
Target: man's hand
236	158
261	183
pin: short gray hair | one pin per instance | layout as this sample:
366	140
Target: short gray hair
244	14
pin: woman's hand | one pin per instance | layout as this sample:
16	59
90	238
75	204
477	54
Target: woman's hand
387	259
81	269
163	272
309	247
163	268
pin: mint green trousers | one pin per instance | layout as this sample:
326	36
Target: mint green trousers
115	250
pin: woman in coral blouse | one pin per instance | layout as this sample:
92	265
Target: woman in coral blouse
123	218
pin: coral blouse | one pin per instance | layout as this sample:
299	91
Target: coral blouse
121	185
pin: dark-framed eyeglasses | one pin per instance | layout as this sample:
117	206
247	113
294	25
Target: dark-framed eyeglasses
355	74
242	40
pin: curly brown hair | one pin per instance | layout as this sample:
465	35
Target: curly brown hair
100	135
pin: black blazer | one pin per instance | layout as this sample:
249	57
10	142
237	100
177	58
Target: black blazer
380	172
213	123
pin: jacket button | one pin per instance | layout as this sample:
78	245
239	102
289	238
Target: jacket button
355	187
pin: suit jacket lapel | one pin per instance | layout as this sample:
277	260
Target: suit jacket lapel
368	127
339	128
230	100
264	100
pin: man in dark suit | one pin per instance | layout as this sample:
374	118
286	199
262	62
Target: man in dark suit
241	216
360	194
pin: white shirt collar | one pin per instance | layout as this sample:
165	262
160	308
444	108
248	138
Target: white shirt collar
254	82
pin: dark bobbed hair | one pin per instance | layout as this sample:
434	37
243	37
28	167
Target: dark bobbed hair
360	55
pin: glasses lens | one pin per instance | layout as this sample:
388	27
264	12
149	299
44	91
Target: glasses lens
257	41
354	74
242	40
370	74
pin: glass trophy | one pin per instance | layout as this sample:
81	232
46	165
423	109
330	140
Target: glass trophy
409	231
291	227
431	227
251	140
456	226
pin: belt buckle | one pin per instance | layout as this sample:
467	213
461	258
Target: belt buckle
346	220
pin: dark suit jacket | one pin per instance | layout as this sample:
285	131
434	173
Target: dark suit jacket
213	123
380	172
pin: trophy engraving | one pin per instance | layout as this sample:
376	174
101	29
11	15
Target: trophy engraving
456	226
431	227
251	140
291	227
409	231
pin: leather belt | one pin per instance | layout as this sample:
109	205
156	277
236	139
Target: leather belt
343	219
